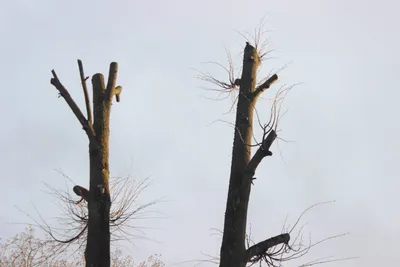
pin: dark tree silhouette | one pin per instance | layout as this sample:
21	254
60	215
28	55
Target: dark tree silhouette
236	250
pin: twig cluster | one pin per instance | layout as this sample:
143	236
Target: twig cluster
275	251
73	219
125	193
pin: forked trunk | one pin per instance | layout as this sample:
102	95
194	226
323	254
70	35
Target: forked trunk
97	253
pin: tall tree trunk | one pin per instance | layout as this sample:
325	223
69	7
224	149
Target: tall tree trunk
98	243
97	253
233	250
233	241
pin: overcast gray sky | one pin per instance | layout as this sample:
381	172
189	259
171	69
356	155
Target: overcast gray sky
341	119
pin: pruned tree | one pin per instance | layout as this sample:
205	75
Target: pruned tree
97	129
244	165
237	248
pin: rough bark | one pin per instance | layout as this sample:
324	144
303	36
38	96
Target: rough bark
97	253
233	251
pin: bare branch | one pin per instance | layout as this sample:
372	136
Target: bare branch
229	87
27	249
261	152
270	132
111	90
256	252
112	76
124	217
326	260
265	85
74	107
72	239
85	92
256	39
226	87
307	209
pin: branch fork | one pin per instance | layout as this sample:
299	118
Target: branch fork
262	152
112	90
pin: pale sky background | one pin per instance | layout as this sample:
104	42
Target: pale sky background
342	118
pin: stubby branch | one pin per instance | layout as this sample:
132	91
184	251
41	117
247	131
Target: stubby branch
265	85
112	76
112	79
117	91
97	127
254	253
261	153
82	192
74	107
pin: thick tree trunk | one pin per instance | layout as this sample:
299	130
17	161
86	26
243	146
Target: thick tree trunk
233	241
97	253
233	250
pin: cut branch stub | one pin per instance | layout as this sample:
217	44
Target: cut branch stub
112	76
265	85
261	152
117	92
82	192
267	142
237	82
254	253
112	80
98	103
251	62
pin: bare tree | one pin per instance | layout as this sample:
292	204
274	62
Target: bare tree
97	128
91	221
25	249
236	250
233	249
